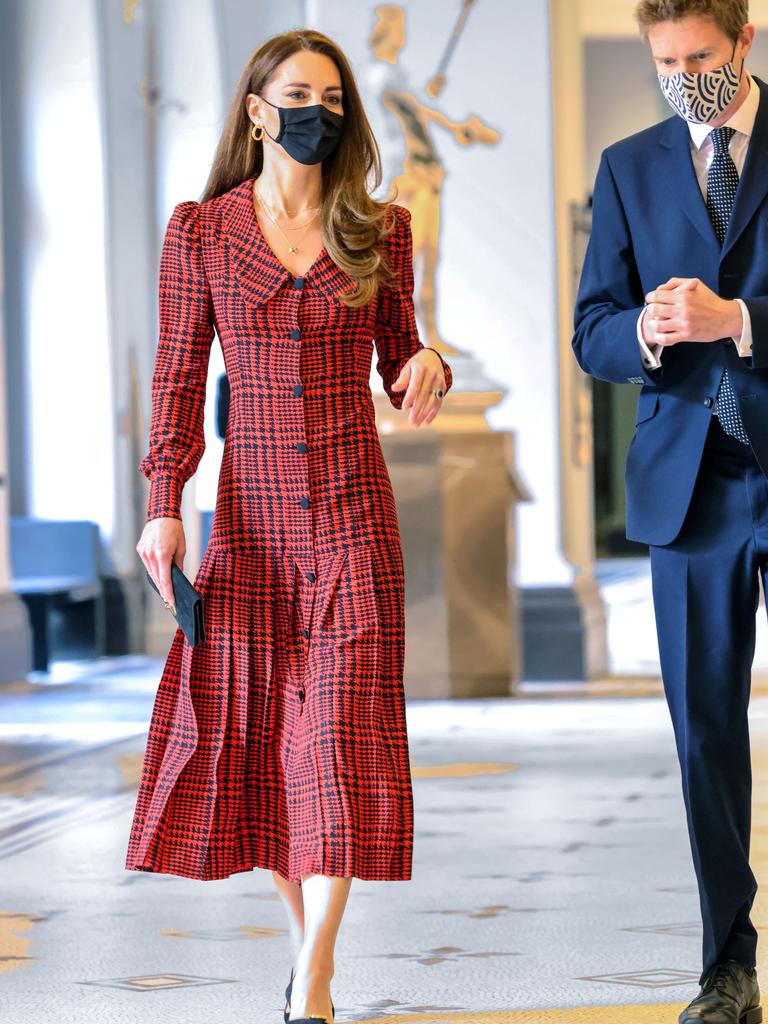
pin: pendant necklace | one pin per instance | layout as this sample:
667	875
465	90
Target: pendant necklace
292	246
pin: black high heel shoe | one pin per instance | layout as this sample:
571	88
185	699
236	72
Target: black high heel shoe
315	1019
303	1020
287	1013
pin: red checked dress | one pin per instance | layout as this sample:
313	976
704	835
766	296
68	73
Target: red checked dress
281	742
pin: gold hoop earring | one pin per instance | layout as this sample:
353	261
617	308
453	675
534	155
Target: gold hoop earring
260	136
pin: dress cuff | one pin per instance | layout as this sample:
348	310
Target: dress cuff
164	496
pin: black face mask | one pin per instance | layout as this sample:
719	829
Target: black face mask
308	134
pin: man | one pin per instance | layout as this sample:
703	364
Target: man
674	296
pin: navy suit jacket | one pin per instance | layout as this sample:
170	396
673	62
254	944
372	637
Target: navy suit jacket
650	223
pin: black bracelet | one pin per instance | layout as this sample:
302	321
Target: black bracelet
431	349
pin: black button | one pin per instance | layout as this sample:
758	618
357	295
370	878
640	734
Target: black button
295	334
301	447
298	282
708	402
297	389
305	634
301	695
311	577
304	502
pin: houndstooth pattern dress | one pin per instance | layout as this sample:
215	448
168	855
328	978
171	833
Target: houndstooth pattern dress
280	743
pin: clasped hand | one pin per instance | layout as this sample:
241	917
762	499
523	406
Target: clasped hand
685	309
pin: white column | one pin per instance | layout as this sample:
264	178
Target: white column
15	637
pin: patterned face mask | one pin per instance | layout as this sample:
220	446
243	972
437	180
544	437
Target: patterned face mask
702	96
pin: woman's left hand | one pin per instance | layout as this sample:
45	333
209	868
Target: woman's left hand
422	375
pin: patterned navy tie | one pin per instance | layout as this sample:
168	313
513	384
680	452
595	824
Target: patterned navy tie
722	182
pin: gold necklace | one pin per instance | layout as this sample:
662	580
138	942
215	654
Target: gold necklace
293	247
275	212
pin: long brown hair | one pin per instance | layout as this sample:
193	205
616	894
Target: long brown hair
353	223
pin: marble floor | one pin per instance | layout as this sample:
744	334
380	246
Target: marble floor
552	880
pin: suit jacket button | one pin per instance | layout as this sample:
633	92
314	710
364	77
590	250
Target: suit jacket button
301	447
311	577
297	389
708	402
305	634
304	502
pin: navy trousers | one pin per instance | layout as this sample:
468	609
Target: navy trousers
705	595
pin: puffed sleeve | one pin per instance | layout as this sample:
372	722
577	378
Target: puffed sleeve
396	335
176	438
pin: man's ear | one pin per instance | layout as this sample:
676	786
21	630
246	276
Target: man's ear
746	39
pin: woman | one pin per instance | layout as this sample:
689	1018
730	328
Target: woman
280	742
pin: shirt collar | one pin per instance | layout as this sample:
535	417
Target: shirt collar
743	120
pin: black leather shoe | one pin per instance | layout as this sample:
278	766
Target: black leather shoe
729	995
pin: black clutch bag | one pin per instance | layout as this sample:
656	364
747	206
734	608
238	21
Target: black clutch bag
189	606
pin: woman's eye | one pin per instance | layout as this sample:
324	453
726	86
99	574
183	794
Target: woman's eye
296	95
334	100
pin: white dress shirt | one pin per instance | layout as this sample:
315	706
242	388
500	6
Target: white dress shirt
702	152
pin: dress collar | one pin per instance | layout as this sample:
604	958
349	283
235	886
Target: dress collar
260	273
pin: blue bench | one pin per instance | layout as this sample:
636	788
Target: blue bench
54	564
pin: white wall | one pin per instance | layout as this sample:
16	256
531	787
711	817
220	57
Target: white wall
66	341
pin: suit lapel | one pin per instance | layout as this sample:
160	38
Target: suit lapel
753	184
681	178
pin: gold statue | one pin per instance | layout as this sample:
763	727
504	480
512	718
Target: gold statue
420	185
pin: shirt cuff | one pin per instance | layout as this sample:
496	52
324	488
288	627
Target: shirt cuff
651	356
744	343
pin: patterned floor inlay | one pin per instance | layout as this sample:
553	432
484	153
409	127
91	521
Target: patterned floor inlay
655	1014
483	913
662	978
440	955
15	934
155	982
244	931
459	771
693	930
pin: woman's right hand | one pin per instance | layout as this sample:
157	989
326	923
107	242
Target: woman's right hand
161	543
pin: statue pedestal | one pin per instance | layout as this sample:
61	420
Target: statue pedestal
456	491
